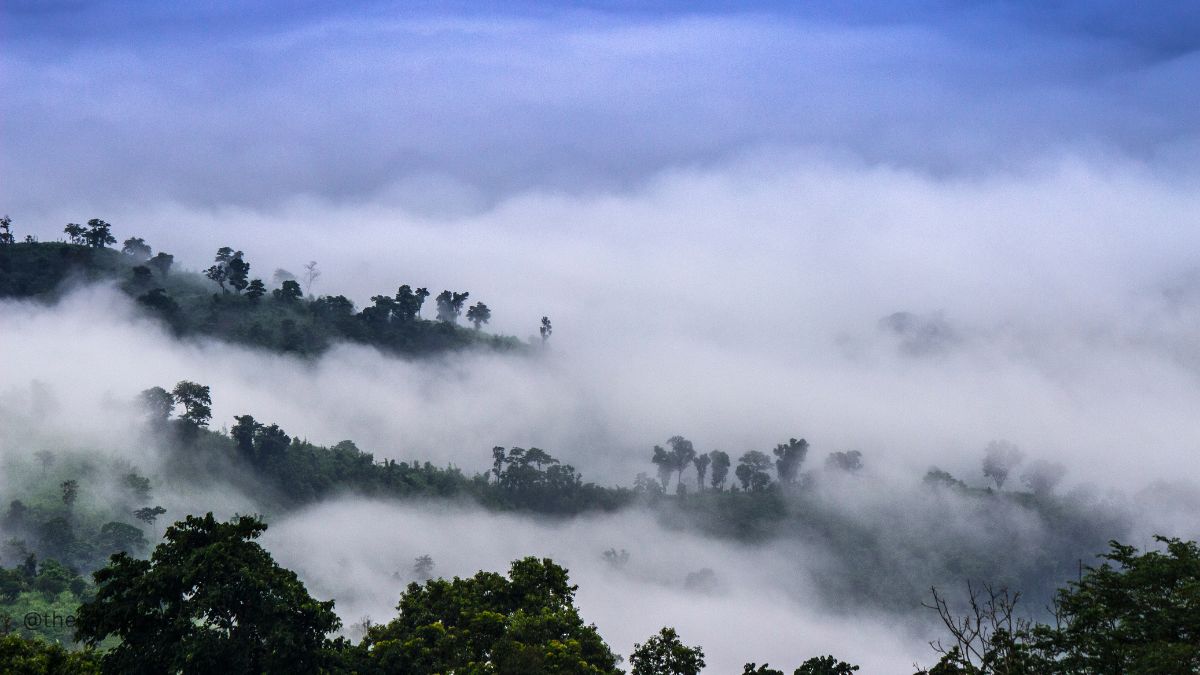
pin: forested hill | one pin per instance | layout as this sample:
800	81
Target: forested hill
230	302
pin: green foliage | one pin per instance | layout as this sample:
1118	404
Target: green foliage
752	470
6	235
790	456
196	400
533	480
1138	617
29	656
525	623
479	314
282	320
98	234
209	599
825	665
1136	613
764	669
665	654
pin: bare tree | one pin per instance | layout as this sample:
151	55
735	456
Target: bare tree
989	638
310	275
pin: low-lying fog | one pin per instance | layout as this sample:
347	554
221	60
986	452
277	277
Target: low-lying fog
911	318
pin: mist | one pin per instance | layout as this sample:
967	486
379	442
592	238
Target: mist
908	233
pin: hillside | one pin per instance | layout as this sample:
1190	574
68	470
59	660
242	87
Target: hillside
227	303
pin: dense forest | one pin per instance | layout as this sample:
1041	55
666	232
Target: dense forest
79	553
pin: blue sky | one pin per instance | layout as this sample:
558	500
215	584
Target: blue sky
213	103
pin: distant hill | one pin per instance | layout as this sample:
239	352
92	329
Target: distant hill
229	303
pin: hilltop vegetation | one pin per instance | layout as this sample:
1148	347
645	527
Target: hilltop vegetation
228	302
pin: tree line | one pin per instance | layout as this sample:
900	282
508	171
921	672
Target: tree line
280	315
211	599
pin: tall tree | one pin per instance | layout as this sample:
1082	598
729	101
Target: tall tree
137	248
720	468
790	455
75	232
209	600
479	314
237	272
196	400
701	462
825	665
682	454
664	462
6	235
752	471
546	329
665	654
450	305
310	275
408	303
523	623
99	234
288	292
255	289
158	404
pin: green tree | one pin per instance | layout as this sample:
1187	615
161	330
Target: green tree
408	302
237	272
137	248
99	234
119	537
525	623
764	669
449	306
209	600
825	665
149	514
75	232
665	654
6	235
682	454
221	269
196	401
255	289
32	656
1138	613
790	456
752	470
289	291
479	314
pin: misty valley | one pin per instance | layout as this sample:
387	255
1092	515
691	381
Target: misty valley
142	532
